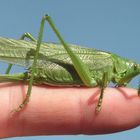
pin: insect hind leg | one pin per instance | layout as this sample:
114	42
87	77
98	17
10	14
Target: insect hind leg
28	36
23	36
80	67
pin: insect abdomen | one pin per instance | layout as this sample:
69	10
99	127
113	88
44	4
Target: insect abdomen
54	74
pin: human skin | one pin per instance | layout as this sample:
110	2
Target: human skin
58	111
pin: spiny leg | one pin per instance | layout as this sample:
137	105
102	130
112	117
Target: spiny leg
80	67
28	36
14	77
23	36
100	100
103	86
39	40
8	68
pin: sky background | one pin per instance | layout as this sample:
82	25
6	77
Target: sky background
108	25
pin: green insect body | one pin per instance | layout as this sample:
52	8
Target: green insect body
54	66
64	65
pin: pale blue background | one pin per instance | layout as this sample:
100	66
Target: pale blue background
111	25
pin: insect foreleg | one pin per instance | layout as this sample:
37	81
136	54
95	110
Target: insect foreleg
125	80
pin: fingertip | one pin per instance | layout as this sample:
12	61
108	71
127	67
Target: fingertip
120	111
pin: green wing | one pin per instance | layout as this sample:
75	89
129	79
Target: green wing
21	53
54	65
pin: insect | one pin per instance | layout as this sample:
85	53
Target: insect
63	64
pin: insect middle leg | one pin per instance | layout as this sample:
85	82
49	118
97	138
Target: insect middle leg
102	86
